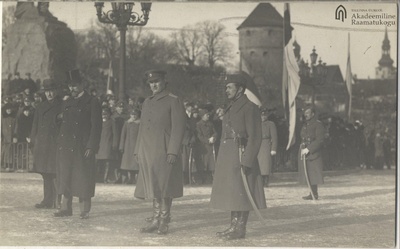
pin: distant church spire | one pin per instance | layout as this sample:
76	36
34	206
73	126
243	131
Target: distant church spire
385	60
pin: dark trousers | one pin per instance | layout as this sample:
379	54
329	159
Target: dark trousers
49	189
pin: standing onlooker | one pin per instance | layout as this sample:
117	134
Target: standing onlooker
43	139
188	142
105	155
370	150
127	147
387	150
241	130
78	142
37	99
119	116
378	151
268	147
312	138
207	136
158	149
7	135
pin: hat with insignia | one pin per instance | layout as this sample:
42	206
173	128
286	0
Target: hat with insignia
74	77
154	74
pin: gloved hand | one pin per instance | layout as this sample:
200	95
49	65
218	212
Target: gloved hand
304	151
246	170
28	139
171	159
273	153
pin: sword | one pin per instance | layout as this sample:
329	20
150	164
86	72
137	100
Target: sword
303	157
215	159
190	166
246	187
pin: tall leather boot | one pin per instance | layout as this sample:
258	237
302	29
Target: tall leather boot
153	226
240	228
314	189
234	219
164	215
85	205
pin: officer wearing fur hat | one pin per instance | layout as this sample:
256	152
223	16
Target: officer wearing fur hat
241	128
312	138
158	149
78	142
43	139
268	146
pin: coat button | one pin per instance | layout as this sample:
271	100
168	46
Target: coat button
76	123
72	150
62	135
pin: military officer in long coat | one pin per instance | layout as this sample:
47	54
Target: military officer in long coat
78	142
312	139
43	137
241	127
158	149
268	146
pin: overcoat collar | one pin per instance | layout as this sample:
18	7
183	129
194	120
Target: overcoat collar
237	104
160	95
47	105
77	101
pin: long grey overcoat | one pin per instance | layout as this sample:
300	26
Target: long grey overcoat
108	132
312	135
44	134
127	144
80	130
269	142
161	131
228	192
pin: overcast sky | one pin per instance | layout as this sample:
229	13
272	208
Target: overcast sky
331	44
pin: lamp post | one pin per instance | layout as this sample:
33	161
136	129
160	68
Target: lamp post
122	16
313	75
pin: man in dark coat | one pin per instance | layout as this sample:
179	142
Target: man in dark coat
158	151
78	142
312	137
241	129
43	138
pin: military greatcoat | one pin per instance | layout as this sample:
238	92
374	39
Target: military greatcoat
269	142
161	131
127	145
80	130
205	151
242	118
44	136
312	137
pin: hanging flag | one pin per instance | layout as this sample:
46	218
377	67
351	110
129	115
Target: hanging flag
349	76
251	89
291	78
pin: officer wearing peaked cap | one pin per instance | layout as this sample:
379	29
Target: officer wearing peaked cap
158	149
78	142
241	128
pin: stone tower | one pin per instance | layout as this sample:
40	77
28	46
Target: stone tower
385	70
261	50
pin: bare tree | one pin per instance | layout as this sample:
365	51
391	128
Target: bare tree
216	47
188	44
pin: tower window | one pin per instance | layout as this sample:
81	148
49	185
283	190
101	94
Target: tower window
248	33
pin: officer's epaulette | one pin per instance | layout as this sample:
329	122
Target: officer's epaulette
174	96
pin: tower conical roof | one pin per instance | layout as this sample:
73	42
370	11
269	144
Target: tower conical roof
264	15
386	61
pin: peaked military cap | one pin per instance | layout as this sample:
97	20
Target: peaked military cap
154	74
74	77
203	112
